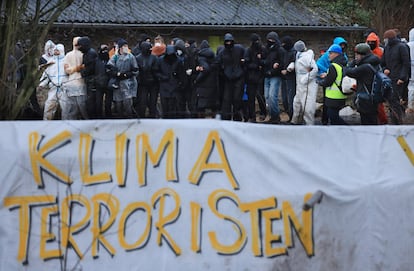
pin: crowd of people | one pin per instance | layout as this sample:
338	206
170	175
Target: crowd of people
180	79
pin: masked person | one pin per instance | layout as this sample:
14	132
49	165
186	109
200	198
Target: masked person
231	63
273	66
170	72
254	78
54	77
44	61
88	73
104	95
148	88
124	69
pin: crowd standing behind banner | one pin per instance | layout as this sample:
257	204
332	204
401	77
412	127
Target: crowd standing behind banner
192	82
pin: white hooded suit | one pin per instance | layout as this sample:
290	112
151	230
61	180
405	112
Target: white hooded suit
304	103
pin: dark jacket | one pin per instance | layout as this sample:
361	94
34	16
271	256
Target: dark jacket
230	62
362	72
396	58
254	64
273	54
89	58
147	65
206	83
101	76
290	56
169	70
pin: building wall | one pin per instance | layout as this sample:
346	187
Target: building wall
316	40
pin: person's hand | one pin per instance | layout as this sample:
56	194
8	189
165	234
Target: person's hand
400	82
284	72
323	75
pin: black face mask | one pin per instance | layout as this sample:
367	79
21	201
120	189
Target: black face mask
271	44
228	46
256	45
146	52
103	54
372	45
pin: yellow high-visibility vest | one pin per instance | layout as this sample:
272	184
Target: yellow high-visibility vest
333	91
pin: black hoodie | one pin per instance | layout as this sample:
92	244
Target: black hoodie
89	57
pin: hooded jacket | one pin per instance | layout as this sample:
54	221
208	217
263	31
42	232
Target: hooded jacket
273	53
147	65
396	58
89	58
48	52
54	76
411	46
323	62
230	60
206	80
254	64
378	51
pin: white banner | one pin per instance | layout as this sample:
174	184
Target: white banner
205	195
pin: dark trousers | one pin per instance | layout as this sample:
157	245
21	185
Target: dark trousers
147	98
232	99
104	97
169	107
396	110
333	116
288	93
185	99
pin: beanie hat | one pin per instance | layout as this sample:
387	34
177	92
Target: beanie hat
335	48
254	37
122	42
362	49
228	37
390	34
299	46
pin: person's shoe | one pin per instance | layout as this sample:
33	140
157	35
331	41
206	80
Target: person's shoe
272	121
252	120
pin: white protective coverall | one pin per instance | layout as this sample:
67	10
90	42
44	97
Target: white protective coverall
304	103
54	78
41	92
74	102
410	44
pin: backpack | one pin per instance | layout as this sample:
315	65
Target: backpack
381	89
381	86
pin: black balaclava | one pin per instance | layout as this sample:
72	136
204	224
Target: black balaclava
103	53
84	44
287	42
255	39
228	37
145	48
170	54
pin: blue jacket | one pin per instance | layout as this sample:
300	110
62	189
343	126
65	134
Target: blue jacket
323	62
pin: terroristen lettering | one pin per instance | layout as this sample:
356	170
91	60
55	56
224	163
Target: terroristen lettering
104	212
